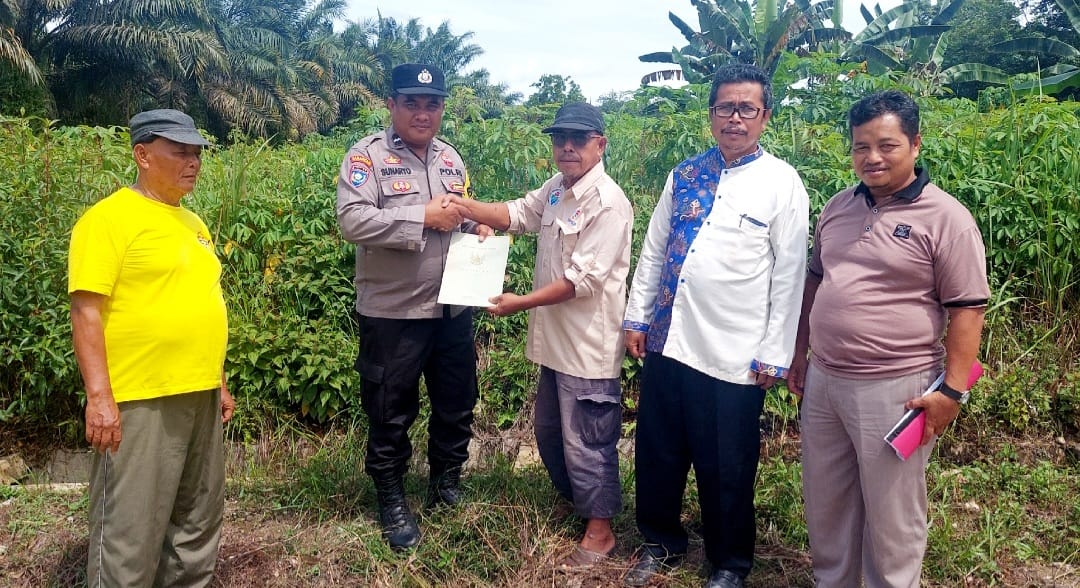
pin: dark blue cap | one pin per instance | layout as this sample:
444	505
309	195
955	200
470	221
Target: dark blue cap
418	78
577	116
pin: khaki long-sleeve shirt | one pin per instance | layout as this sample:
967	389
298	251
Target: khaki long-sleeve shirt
584	236
382	190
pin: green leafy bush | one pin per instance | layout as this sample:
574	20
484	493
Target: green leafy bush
288	274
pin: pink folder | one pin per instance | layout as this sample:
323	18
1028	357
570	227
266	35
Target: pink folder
906	435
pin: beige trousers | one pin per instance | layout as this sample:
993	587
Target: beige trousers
156	504
865	508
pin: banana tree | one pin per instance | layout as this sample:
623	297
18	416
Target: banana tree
896	40
758	33
1064	75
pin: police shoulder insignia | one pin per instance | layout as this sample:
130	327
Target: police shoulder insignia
358	175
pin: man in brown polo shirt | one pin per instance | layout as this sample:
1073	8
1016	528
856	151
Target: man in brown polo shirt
897	264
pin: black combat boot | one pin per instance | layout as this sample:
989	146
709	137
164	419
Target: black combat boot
444	486
398	523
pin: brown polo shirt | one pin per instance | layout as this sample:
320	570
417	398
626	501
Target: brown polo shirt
890	270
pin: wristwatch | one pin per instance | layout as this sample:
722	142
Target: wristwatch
956	395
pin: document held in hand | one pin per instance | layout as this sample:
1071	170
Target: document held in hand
907	434
474	270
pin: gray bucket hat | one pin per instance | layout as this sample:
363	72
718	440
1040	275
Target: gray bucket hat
168	123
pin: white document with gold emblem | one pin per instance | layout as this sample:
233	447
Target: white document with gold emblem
474	269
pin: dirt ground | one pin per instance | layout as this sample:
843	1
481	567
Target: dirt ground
43	543
258	550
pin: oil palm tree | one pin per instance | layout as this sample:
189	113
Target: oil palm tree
394	42
12	50
109	59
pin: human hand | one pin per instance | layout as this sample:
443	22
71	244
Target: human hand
764	381
483	232
228	405
635	344
102	422
443	214
505	304
796	379
940	410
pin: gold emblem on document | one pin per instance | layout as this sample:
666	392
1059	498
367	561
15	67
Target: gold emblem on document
476	258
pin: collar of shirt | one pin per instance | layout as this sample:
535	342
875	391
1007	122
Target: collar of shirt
745	159
585	182
907	194
395	142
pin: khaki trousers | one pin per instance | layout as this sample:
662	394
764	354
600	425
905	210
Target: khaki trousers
865	508
156	504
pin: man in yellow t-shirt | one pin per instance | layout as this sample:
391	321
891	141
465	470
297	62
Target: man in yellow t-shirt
150	330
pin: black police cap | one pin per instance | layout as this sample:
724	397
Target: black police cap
418	78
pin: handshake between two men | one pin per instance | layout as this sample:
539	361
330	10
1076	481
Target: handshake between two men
448	211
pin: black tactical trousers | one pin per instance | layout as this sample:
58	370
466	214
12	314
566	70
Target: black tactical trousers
393	355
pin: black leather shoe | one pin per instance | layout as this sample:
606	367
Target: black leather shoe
444	487
724	579
648	564
397	521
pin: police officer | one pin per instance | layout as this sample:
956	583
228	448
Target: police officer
390	203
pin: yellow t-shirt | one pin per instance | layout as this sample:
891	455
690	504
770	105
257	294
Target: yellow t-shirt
164	318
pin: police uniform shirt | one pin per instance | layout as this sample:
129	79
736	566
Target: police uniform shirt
382	190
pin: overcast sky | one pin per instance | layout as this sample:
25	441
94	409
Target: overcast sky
595	42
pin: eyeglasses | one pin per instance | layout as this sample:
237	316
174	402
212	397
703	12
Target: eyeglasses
579	140
726	110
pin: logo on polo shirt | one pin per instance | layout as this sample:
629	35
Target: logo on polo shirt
902	231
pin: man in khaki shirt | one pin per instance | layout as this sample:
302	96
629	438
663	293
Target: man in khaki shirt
575	332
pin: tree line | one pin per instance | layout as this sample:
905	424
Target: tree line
288	68
281	68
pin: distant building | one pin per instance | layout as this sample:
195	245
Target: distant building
669	78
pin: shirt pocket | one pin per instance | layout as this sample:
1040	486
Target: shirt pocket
401	192
568	229
453	185
743	238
